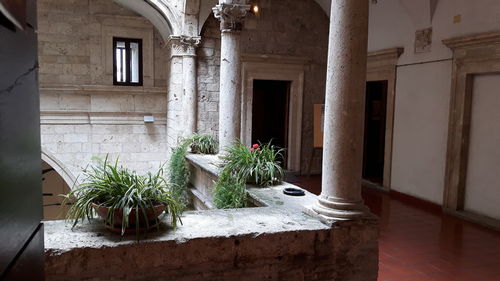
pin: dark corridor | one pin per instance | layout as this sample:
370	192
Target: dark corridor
374	140
270	112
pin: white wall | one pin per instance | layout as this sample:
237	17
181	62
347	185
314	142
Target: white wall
423	84
420	130
482	191
391	25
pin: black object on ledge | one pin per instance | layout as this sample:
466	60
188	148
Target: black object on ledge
294	191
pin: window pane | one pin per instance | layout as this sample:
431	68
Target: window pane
134	63
120	61
124	65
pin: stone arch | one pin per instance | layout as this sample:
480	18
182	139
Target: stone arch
59	167
206	10
165	18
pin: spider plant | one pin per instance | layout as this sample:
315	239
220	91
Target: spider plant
178	176
229	191
259	164
204	144
119	189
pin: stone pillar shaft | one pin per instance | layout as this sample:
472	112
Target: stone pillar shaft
185	47
344	111
231	15
230	86
190	97
189	82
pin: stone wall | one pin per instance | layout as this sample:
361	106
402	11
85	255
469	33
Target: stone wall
347	252
290	28
139	147
82	113
209	78
274	241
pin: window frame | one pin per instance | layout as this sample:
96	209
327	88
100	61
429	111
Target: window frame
128	60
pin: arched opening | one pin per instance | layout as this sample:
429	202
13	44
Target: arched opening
277	48
206	10
56	180
53	185
165	20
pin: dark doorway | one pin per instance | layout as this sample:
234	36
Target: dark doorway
375	122
270	113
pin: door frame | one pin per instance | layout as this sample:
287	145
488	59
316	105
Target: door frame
472	55
381	66
281	68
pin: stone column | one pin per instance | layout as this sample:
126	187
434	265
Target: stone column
175	91
231	18
185	48
189	83
344	112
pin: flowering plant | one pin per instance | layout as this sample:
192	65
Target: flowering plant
259	164
255	147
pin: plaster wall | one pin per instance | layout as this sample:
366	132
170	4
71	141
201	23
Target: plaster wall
423	90
421	129
391	25
482	188
289	28
82	113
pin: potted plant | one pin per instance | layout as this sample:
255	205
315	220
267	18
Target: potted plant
258	164
126	201
203	144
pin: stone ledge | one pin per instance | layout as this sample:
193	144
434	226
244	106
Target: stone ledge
272	196
227	245
102	118
275	242
76	89
59	237
208	163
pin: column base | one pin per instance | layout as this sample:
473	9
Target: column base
332	209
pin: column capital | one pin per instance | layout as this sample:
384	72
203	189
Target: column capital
231	16
183	45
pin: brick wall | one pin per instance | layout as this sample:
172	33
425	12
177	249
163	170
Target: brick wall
284	27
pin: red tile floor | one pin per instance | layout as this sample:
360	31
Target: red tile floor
419	242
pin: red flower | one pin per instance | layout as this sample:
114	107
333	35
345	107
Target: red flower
255	146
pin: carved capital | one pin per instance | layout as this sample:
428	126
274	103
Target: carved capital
231	16
184	45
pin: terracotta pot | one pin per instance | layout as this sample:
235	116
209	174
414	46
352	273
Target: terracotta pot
151	213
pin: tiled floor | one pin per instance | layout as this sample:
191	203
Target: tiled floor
418	242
